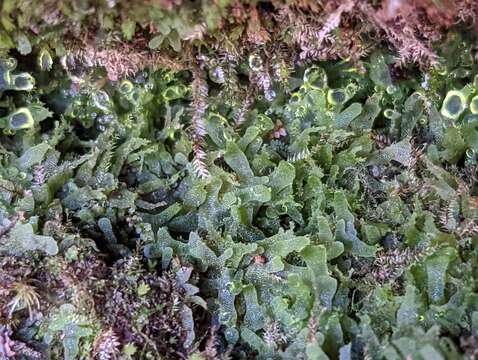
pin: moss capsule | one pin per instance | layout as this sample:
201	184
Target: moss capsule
454	104
315	77
5	79
337	96
44	60
255	62
174	92
8	64
22	81
390	113
126	87
474	105
20	119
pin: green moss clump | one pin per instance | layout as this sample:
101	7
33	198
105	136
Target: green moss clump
255	203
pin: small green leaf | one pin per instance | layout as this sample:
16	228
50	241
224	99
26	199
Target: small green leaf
23	45
436	267
23	239
128	28
379	72
6	41
370	111
408	312
39	113
238	162
156	42
174	41
129	349
143	289
345	117
33	156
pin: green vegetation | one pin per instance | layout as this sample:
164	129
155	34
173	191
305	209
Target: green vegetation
180	181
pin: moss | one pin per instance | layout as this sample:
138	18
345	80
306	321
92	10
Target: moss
254	184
